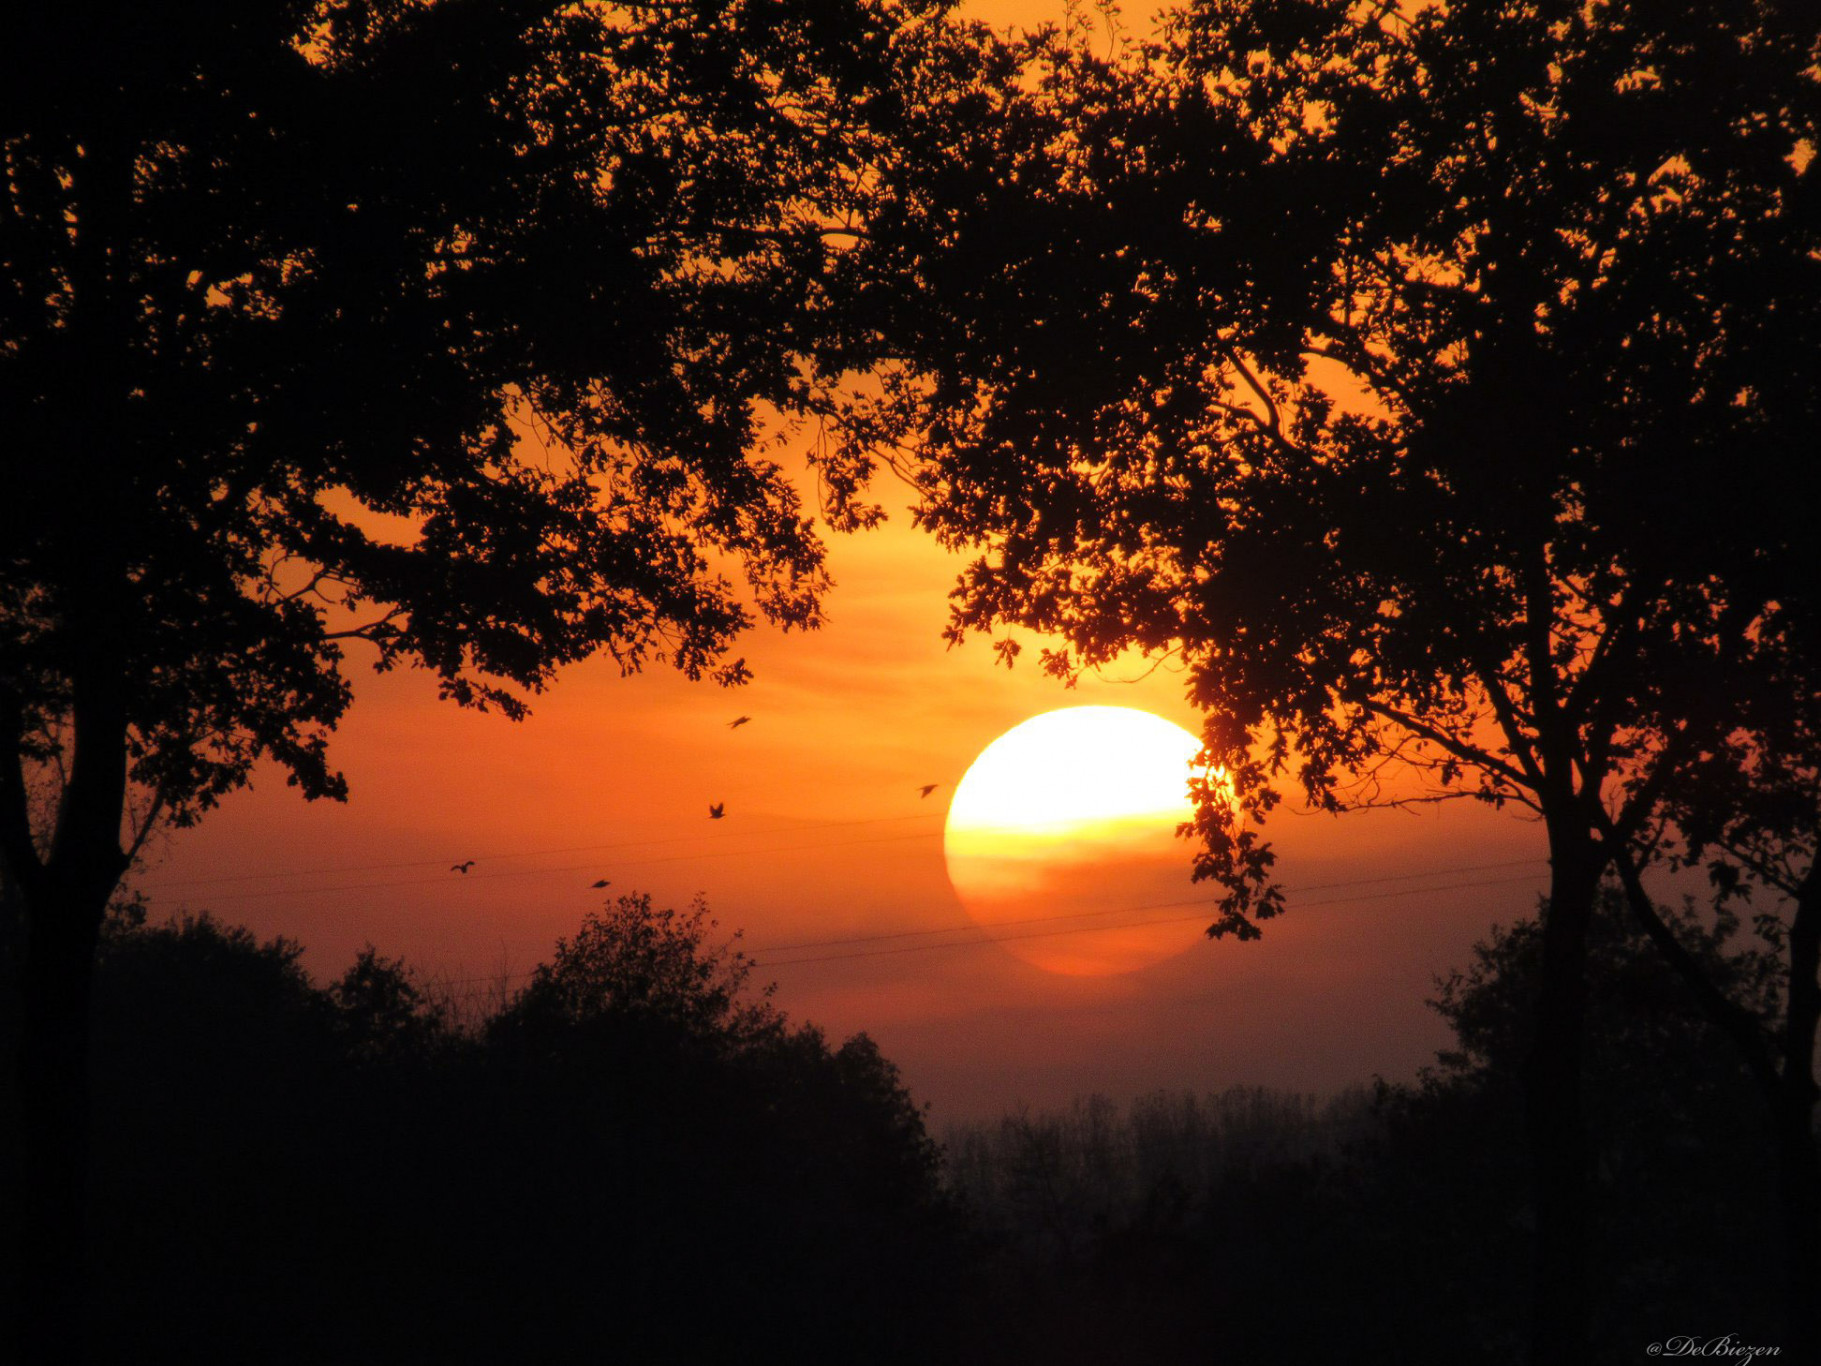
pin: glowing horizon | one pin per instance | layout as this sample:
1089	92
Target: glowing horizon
1073	814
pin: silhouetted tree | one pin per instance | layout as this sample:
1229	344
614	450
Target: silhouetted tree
290	1173
1429	380
443	329
1681	1143
380	1010
634	962
1750	811
794	1182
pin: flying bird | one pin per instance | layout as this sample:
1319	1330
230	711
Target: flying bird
927	788
717	810
461	867
737	722
604	882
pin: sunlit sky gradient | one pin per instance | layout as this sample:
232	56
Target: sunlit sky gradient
832	863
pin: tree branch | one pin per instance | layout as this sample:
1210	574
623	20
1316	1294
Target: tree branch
1277	437
1347	349
1622	624
1745	1029
1275	426
1637	808
146	825
16	845
1460	749
1760	868
364	632
1506	712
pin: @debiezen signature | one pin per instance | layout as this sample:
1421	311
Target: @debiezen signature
1727	1347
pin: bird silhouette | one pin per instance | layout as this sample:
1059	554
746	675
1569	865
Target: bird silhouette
737	722
927	788
717	810
461	867
604	882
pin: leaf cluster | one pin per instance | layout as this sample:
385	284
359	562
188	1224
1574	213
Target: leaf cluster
633	963
455	330
1428	380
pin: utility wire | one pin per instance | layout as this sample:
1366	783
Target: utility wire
1164	905
467	878
1090	929
986	939
338	869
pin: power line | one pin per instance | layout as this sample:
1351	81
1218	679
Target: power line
321	869
444	879
266	893
986	939
1091	929
1158	905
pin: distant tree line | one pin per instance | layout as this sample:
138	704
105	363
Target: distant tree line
1393	1223
638	1153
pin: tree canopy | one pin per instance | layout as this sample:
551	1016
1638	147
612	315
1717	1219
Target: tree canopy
449	335
448	328
632	963
1429	383
377	1168
1429	380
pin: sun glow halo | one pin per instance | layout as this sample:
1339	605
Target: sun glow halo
1061	840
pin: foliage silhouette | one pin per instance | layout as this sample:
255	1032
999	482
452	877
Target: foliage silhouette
1366	358
632	962
435	332
1684	1144
1751	813
286	1173
716	1133
381	1013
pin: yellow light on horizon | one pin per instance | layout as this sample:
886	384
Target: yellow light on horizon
1076	766
1068	821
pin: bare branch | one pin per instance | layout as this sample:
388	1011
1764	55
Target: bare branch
1745	1030
1505	710
1275	425
16	844
1479	758
146	825
364	632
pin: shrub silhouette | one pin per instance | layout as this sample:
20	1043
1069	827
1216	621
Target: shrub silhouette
632	963
684	1121
639	1155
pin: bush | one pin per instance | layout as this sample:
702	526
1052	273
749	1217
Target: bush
639	1155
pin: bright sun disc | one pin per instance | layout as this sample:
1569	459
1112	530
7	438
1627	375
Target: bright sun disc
1061	840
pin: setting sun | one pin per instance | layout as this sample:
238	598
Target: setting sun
1061	840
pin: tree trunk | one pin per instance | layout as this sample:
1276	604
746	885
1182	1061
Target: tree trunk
54	1096
1555	1121
1798	1163
1786	1084
65	895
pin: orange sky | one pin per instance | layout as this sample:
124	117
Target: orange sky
826	839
